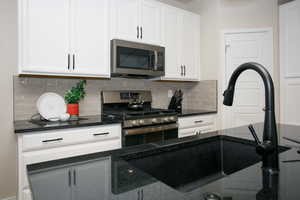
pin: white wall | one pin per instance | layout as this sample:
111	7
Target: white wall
8	63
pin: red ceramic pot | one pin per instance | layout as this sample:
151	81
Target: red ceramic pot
73	109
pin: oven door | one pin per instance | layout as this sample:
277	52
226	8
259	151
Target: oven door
149	134
130	58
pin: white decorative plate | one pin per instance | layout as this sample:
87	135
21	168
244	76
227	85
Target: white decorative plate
51	106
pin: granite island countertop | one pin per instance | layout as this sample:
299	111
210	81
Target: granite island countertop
242	184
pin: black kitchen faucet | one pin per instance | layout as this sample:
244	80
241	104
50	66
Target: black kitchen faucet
269	147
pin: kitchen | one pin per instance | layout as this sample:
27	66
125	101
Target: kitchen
198	74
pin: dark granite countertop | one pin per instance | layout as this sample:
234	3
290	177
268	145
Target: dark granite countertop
26	126
158	170
192	112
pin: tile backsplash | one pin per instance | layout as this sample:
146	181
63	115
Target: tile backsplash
200	95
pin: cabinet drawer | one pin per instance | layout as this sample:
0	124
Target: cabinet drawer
196	121
186	132
55	138
206	129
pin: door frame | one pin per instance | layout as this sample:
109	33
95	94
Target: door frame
222	75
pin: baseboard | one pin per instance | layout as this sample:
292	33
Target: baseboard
10	198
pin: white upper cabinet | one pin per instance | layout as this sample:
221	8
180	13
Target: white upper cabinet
64	37
151	22
190	45
137	20
125	19
171	27
91	39
182	41
44	36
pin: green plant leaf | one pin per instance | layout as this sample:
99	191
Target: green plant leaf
76	93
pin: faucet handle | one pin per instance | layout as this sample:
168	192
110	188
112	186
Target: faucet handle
253	132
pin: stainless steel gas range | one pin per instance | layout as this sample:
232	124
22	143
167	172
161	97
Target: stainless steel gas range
141	123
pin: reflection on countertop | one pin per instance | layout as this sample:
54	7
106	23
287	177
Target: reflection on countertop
241	176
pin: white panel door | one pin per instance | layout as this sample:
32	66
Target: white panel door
44	35
150	22
171	29
289	63
249	93
90	38
125	19
190	45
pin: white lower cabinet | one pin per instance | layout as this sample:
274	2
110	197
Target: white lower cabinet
45	146
196	125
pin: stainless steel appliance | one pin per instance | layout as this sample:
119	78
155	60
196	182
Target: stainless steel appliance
143	126
131	59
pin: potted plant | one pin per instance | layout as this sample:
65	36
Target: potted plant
74	96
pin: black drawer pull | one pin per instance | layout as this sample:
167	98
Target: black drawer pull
200	121
53	140
99	134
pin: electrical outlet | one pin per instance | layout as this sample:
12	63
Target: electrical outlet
170	93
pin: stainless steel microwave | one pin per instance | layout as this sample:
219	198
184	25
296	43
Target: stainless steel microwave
131	59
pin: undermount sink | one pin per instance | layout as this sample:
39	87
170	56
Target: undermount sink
191	165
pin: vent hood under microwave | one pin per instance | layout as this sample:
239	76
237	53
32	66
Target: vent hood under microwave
136	60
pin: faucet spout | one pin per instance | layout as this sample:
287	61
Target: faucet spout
270	138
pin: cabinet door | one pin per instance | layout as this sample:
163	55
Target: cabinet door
52	184
92	180
125	19
90	38
170	39
190	45
151	23
44	36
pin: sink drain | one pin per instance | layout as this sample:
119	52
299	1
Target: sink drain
211	196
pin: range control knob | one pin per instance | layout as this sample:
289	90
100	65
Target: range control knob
166	119
134	122
172	118
154	120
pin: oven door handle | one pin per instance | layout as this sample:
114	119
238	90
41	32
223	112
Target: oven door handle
149	129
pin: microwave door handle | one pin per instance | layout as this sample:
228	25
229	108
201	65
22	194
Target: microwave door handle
156	60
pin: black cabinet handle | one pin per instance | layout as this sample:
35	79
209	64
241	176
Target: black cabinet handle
138	32
141	32
99	134
198	122
70	178
74	176
74	61
181	70
69	61
53	140
184	70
